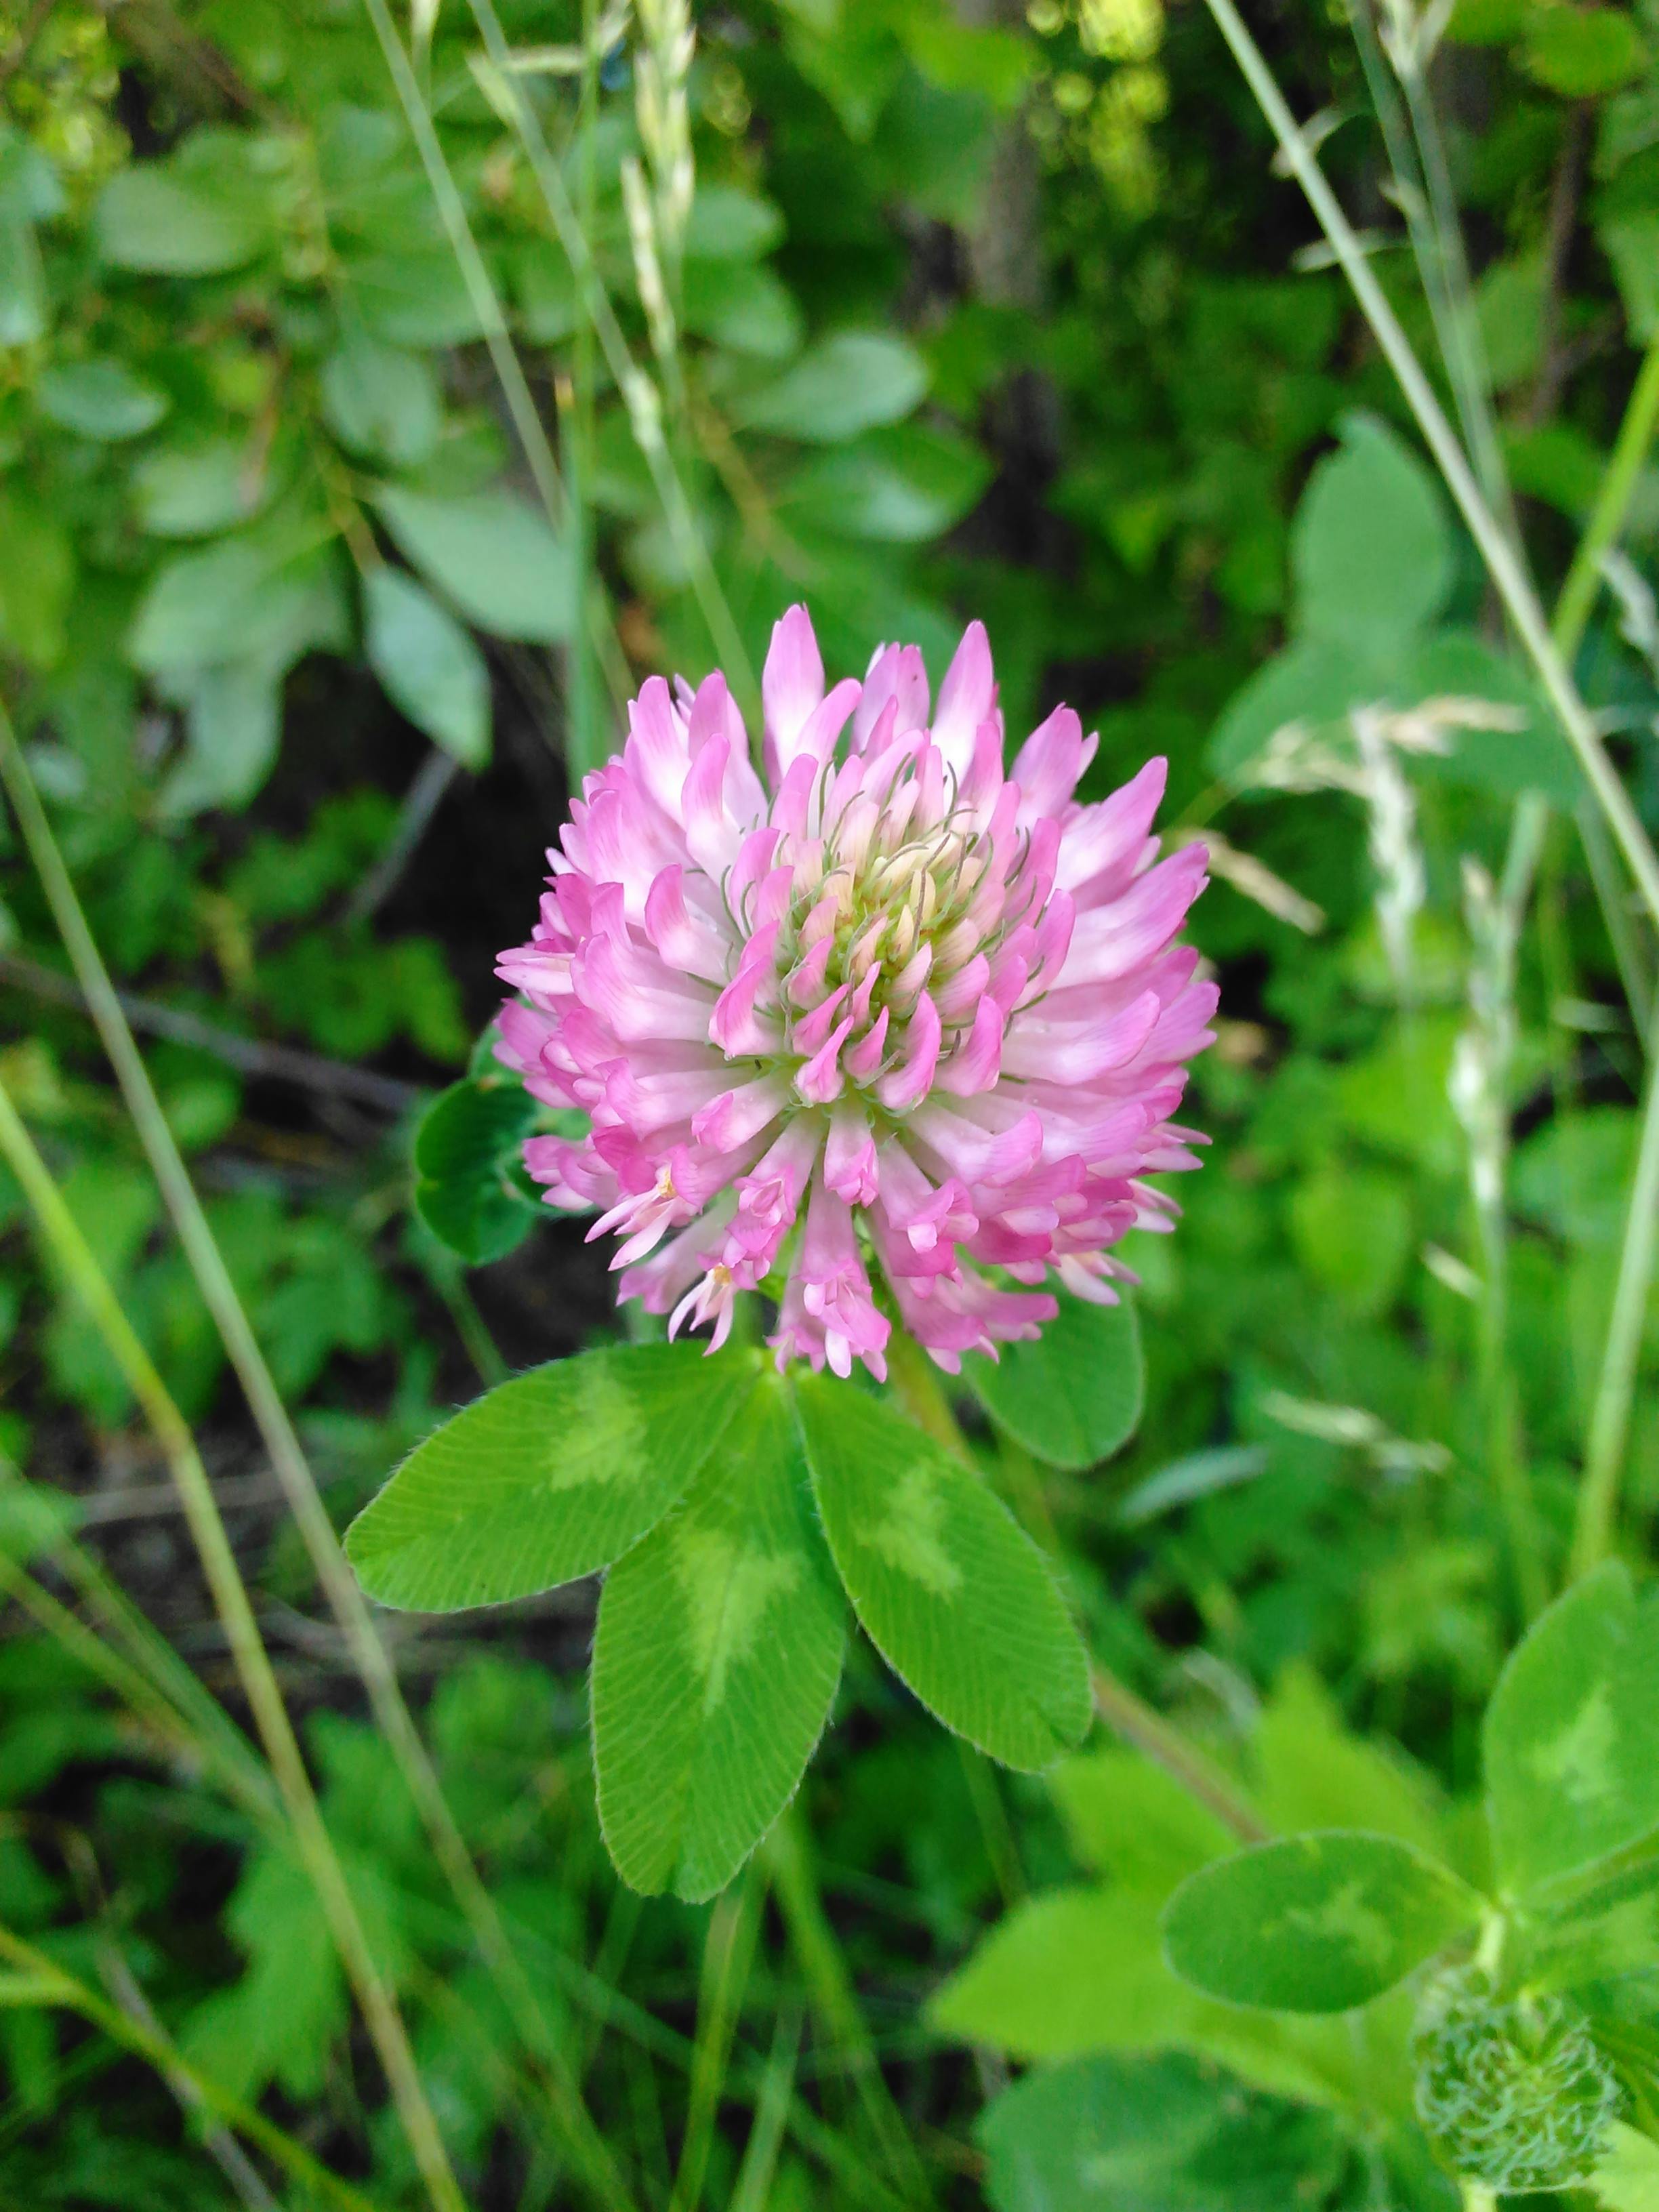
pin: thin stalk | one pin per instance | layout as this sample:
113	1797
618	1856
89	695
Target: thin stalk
492	320
293	1471
1514	585
145	1670
752	2191
1417	157
1151	1735
793	1866
728	1952
584	746
67	1248
133	1685
643	400
1623	470
1480	1085
918	1391
58	1988
1609	1427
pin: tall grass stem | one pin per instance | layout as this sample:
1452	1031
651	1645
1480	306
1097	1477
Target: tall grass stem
1508	573
67	1247
1608	1441
293	1471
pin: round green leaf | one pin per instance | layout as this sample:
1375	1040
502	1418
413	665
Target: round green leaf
152	218
1371	548
1073	1397
380	401
102	399
948	1587
715	1662
1321	1922
1572	1736
1583	53
428	663
469	1189
195	491
546	1477
1122	2132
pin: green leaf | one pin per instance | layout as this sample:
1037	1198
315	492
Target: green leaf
1583	53
23	283
1165	2134
715	1662
263	591
196	490
544	289
1371	548
1572	1176
415	297
102	399
744	305
1630	240
1313	1773
899	486
547	1478
233	722
1312	681
1351	1228
1572	1736
1075	1970
951	1590
1073	1397
729	223
1128	1819
1626	2177
1532	757
380	401
159	217
428	663
492	556
1321	1922
845	383
470	1189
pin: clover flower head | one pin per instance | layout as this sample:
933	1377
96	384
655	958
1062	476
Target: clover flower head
885	1026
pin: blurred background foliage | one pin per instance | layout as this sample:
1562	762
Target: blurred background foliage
972	311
